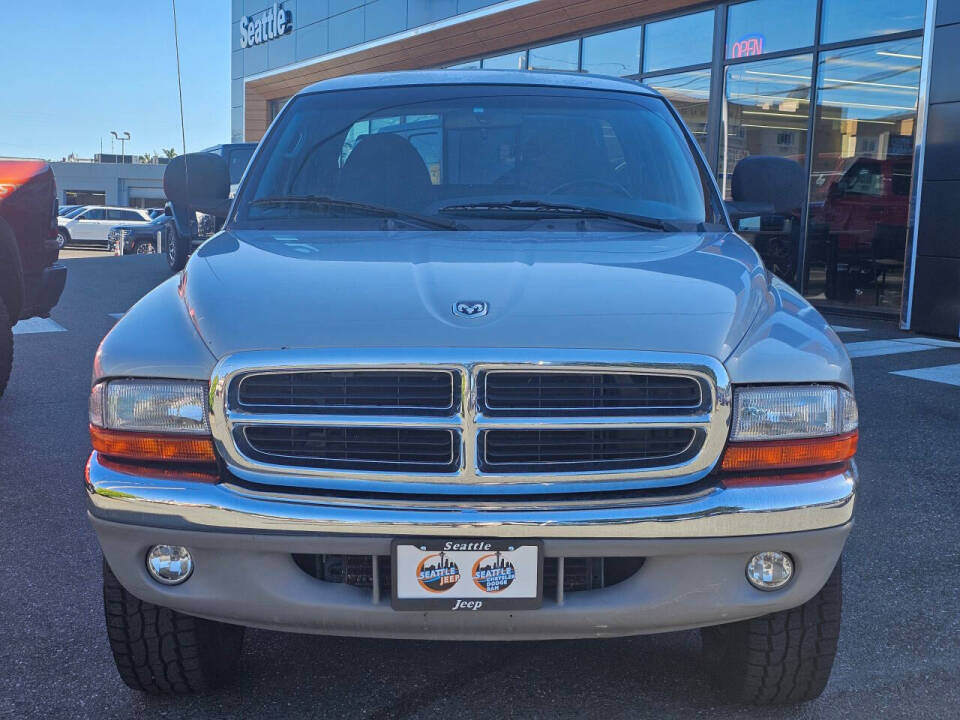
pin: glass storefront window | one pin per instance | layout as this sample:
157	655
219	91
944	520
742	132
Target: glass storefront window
766	111
861	166
276	106
850	19
689	93
613	53
678	42
516	60
763	26
559	56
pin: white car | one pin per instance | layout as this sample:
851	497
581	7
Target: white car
91	225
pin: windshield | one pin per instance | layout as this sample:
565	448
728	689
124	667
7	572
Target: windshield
74	211
489	157
238	160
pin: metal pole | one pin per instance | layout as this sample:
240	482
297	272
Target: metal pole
176	44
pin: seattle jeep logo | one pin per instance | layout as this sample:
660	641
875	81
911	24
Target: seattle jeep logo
470	308
491	573
439	575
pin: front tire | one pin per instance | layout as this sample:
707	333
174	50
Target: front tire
781	658
6	346
63	237
178	250
164	652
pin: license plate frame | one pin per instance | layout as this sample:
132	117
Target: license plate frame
467	593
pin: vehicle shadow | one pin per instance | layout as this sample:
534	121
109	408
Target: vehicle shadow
292	676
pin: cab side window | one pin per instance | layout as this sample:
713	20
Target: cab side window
94	214
124	215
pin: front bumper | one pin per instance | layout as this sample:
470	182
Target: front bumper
696	547
43	290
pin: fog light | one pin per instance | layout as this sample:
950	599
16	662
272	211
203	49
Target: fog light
770	570
169	564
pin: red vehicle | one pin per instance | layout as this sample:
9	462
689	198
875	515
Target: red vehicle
864	225
31	280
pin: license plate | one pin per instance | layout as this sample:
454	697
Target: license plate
467	574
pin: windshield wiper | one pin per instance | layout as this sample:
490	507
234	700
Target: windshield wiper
543	207
379	210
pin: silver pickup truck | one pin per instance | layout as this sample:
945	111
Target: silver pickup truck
475	356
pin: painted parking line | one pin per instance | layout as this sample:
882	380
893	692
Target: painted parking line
875	348
935	342
845	329
37	325
948	374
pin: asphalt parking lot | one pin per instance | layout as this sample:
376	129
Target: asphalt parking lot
899	652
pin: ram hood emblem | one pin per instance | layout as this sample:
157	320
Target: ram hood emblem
470	308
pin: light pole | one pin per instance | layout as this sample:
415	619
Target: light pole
123	140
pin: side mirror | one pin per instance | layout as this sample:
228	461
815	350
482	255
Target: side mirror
773	181
196	182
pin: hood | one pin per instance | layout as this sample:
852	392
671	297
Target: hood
673	292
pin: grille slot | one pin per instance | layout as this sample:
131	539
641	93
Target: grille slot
588	450
354	448
572	393
343	391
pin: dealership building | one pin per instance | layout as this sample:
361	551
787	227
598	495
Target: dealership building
863	96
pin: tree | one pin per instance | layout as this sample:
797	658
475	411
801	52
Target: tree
170	153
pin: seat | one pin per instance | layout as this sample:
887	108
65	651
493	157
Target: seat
385	170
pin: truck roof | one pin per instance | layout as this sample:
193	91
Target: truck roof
479	77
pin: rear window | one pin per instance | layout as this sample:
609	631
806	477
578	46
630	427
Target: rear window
427	149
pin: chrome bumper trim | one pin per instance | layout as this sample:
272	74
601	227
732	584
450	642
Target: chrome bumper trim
717	512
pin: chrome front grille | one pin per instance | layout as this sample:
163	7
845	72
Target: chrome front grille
525	451
483	421
506	392
380	391
353	448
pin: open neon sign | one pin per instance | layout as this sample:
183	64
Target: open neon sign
745	47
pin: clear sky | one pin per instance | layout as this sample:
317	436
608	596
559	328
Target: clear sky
73	70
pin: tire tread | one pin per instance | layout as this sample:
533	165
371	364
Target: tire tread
782	658
158	650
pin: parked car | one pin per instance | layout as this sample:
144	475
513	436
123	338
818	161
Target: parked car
31	279
91	225
140	239
545	392
70	211
188	232
237	157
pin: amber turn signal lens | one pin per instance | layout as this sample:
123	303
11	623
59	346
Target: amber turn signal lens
152	447
773	454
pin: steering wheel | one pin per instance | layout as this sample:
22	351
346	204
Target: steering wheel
594	182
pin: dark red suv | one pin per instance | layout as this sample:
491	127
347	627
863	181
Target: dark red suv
31	280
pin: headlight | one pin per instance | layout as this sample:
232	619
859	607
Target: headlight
791	426
162	420
792	411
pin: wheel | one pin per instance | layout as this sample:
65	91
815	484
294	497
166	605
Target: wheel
178	249
63	237
161	651
6	346
781	658
145	247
